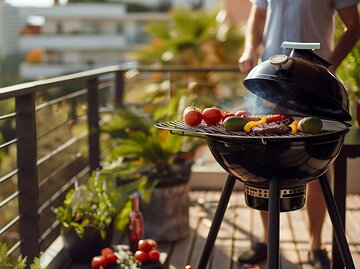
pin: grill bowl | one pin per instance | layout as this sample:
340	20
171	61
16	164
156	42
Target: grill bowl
293	163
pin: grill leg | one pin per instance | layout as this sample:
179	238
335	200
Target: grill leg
218	217
274	225
339	230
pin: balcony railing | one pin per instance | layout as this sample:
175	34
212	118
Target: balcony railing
51	138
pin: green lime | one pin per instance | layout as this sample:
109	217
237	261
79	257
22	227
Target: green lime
234	123
310	125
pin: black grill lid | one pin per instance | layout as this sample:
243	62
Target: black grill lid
300	82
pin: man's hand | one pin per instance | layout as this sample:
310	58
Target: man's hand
248	61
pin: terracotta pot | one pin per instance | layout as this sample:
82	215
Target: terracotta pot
166	217
84	249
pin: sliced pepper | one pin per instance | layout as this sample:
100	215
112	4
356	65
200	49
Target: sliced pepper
294	126
251	124
277	117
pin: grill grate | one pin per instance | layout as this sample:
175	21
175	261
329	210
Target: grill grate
180	127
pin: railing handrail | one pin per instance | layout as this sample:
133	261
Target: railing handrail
30	87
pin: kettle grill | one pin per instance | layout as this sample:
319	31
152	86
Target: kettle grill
276	168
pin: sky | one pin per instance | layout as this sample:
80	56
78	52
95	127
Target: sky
33	3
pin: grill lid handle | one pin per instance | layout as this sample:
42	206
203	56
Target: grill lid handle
305	51
300	45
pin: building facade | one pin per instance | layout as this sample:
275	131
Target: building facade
80	36
10	24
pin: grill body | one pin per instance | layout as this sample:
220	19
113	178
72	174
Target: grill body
293	163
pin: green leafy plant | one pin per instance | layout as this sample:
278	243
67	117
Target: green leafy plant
144	151
191	38
20	263
96	203
348	70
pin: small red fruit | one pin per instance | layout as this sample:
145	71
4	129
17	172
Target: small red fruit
188	267
153	243
226	115
212	115
98	262
154	255
144	245
106	251
192	116
240	113
141	256
111	258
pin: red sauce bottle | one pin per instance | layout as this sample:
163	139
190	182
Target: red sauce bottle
136	223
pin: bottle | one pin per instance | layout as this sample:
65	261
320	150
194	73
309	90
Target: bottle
136	223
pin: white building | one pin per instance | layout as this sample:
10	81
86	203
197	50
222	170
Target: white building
10	25
80	36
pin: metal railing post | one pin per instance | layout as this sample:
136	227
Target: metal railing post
119	88
93	123
27	176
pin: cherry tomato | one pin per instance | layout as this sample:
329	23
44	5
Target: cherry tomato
111	258
192	116
144	245
188	267
239	113
226	115
141	256
106	251
212	115
98	262
153	243
154	255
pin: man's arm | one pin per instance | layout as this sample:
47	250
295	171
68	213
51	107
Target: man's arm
253	39
350	18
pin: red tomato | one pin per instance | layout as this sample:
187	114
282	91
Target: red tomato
106	251
153	243
98	262
141	256
188	267
144	245
192	116
111	258
212	115
239	113
226	115
154	255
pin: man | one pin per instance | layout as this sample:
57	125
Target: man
269	24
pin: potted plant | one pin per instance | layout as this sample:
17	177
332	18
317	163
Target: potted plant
161	159
89	212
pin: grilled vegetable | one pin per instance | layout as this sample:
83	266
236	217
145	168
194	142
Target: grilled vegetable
278	117
251	124
310	125
294	126
269	118
234	123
